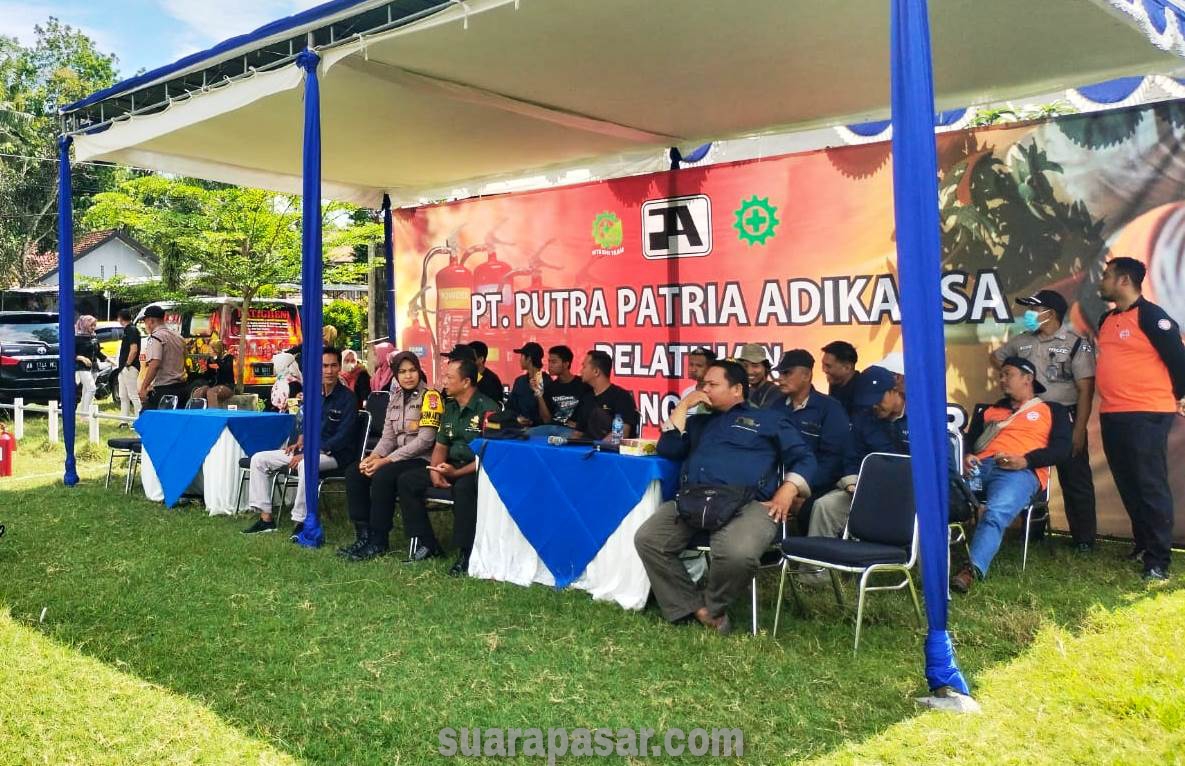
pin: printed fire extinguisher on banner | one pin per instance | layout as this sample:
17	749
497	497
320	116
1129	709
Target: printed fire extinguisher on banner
417	338
454	287
529	332
491	277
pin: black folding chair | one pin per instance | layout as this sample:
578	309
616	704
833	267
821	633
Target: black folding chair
129	448
376	404
881	536
288	477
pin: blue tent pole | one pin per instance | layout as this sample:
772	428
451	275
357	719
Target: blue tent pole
919	264
66	305
312	284
389	251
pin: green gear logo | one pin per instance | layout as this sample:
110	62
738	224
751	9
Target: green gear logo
756	220
607	231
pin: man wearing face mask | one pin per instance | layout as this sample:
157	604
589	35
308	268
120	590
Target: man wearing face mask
1065	365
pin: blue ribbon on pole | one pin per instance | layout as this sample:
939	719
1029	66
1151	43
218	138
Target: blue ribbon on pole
312	536
389	251
919	263
66	361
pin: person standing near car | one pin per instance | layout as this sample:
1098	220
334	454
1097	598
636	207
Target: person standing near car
87	355
1065	366
127	372
1141	379
164	361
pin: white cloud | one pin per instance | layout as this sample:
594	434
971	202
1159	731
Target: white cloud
17	19
212	21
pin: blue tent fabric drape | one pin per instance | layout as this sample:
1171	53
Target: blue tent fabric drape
919	263
389	252
66	305
312	535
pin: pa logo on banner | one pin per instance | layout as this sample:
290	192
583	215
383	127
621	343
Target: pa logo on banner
678	227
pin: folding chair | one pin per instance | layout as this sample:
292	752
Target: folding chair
129	448
958	532
376	404
770	559
435	499
881	536
288	478
1038	511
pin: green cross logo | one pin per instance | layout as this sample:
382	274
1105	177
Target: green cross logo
756	220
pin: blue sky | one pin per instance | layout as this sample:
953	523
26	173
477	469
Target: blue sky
145	34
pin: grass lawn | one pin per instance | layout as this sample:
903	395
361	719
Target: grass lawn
170	637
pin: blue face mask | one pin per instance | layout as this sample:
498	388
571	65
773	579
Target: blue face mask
1031	320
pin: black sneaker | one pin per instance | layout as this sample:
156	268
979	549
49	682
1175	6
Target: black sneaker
422	553
1154	574
260	526
367	552
1084	549
354	547
461	567
1135	554
297	528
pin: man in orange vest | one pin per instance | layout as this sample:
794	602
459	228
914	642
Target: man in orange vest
1141	383
1012	443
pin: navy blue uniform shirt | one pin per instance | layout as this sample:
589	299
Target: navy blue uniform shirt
339	416
871	434
824	426
743	447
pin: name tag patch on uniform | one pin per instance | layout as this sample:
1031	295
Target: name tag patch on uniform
1125	334
748	424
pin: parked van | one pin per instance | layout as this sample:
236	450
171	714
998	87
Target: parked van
272	326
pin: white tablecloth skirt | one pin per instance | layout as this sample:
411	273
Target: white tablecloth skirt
500	552
218	481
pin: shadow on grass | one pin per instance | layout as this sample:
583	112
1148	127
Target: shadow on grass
365	663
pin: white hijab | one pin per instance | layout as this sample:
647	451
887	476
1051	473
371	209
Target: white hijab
284	365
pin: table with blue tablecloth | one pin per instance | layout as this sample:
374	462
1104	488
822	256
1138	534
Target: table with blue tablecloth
566	516
201	449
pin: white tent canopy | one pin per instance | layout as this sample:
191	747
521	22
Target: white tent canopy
496	89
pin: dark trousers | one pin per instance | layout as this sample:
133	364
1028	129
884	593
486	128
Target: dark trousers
1077	482
414	485
1136	445
371	499
179	390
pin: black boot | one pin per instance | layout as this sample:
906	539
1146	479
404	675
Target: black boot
375	547
363	537
461	567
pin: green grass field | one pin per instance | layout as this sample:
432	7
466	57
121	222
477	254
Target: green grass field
169	637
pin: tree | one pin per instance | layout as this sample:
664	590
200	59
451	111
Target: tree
62	66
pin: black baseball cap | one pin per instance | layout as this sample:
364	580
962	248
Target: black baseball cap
1027	367
1050	299
154	312
533	351
798	357
871	385
460	353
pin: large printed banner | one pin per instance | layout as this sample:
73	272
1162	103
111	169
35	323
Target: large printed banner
796	251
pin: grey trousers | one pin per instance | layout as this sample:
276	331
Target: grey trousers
829	514
736	552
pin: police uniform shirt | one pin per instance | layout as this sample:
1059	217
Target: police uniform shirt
743	447
1059	366
461	425
167	347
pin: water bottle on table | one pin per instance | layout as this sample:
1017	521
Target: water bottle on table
618	432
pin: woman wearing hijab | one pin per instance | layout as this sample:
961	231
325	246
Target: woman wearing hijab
288	382
86	348
409	434
354	376
382	367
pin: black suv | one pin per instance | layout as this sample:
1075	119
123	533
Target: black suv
29	355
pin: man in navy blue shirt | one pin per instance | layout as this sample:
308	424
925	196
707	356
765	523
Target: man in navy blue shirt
527	389
339	447
878	425
736	445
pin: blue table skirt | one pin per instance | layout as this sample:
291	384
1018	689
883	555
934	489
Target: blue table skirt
177	441
567	501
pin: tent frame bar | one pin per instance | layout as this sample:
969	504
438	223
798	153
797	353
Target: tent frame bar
103	114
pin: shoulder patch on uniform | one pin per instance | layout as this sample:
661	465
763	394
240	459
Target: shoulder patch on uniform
1165	325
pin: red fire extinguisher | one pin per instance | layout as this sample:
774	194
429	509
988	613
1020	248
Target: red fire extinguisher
7	447
417	338
491	277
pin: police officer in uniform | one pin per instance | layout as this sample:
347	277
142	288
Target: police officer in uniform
1065	364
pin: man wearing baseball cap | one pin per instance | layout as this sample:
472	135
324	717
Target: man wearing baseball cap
527	389
1065	365
878	425
1013	442
819	418
163	361
762	391
1141	379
